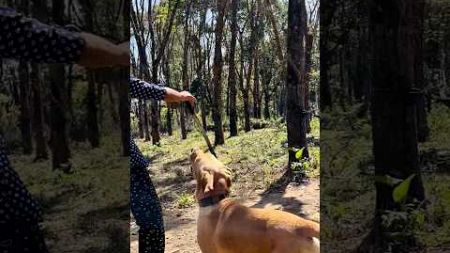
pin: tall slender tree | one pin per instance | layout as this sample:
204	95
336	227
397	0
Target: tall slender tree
232	68
58	104
396	41
295	114
183	115
217	105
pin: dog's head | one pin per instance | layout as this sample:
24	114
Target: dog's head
212	176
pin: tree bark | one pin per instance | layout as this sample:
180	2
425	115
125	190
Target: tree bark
183	114
395	60
295	96
217	106
232	69
327	9
145	121
91	108
256	86
58	105
244	88
309	40
39	12
25	110
124	110
38	120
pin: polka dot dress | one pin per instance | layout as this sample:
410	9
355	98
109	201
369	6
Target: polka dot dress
142	90
27	39
145	204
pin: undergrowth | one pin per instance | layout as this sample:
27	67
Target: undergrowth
347	182
90	201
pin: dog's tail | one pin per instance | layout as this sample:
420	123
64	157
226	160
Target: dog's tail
316	245
309	230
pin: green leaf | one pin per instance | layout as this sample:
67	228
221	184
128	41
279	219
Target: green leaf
299	154
401	191
306	165
387	180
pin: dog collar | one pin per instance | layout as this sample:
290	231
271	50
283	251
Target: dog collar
212	200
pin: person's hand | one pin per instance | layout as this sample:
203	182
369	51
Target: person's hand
175	97
188	97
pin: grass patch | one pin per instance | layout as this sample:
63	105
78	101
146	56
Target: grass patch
185	200
75	205
347	184
256	158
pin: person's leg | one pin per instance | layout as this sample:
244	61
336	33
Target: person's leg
19	214
147	211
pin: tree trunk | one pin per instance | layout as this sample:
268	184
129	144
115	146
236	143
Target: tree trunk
99	103
183	114
58	105
154	112
256	86
309	40
423	131
25	110
232	69
38	121
295	96
91	107
267	79
59	140
244	89
327	9
39	11
396	47
145	120
124	110
155	123
112	104
140	119
167	74
266	102
217	106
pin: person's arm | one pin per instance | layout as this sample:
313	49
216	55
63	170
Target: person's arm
100	52
28	39
144	90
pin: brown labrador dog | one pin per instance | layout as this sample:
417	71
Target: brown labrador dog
224	226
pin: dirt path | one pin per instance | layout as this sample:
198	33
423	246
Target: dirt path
181	223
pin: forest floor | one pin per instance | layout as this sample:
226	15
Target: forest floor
347	182
86	210
258	160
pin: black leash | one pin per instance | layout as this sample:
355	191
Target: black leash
199	126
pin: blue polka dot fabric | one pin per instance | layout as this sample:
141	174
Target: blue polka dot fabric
145	204
143	90
27	39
